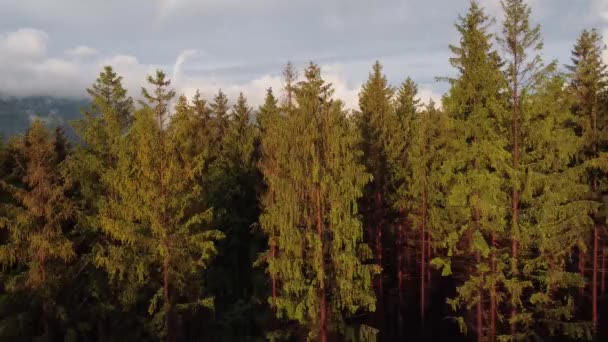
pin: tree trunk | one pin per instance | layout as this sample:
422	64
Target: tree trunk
400	259
428	268
408	256
515	197
379	219
169	319
603	271
493	294
594	281
478	258
581	267
479	310
273	251
423	256
322	304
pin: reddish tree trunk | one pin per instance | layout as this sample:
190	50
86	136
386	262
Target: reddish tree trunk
408	256
428	268
274	277
400	259
168	303
323	307
515	195
423	256
603	271
380	277
594	282
479	310
379	256
493	295
581	267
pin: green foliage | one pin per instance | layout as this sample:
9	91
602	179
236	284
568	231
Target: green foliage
36	248
154	222
311	211
157	221
476	163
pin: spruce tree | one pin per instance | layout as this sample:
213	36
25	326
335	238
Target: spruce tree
271	145
474	171
219	109
290	76
374	123
37	249
406	108
588	84
556	214
234	199
91	166
418	191
157	221
522	44
268	111
319	238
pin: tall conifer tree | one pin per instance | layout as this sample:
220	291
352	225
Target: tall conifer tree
522	44
556	213
374	123
157	222
589	86
37	247
406	105
319	237
475	170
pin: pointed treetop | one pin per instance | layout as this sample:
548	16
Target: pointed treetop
241	111
290	77
407	102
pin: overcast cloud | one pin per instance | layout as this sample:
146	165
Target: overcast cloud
58	47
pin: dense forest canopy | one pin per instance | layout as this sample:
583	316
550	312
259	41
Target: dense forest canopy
482	217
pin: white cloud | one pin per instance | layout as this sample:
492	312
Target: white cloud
81	51
181	59
426	93
25	43
29	70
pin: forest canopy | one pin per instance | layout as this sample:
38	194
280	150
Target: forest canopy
479	217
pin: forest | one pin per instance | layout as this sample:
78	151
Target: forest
480	218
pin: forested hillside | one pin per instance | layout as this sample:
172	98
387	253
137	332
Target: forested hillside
480	218
17	113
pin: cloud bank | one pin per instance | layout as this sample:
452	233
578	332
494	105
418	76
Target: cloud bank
58	48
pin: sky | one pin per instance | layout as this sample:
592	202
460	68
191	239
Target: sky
57	47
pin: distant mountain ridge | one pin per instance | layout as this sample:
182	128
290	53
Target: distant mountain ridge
16	113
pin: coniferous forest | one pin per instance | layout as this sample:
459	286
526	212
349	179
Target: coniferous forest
480	218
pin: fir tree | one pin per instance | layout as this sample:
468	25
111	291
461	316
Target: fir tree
234	198
588	84
37	249
91	167
475	169
319	238
268	111
271	145
157	221
290	77
524	70
219	108
374	123
556	213
400	166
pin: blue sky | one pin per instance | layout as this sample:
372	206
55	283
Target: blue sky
56	47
